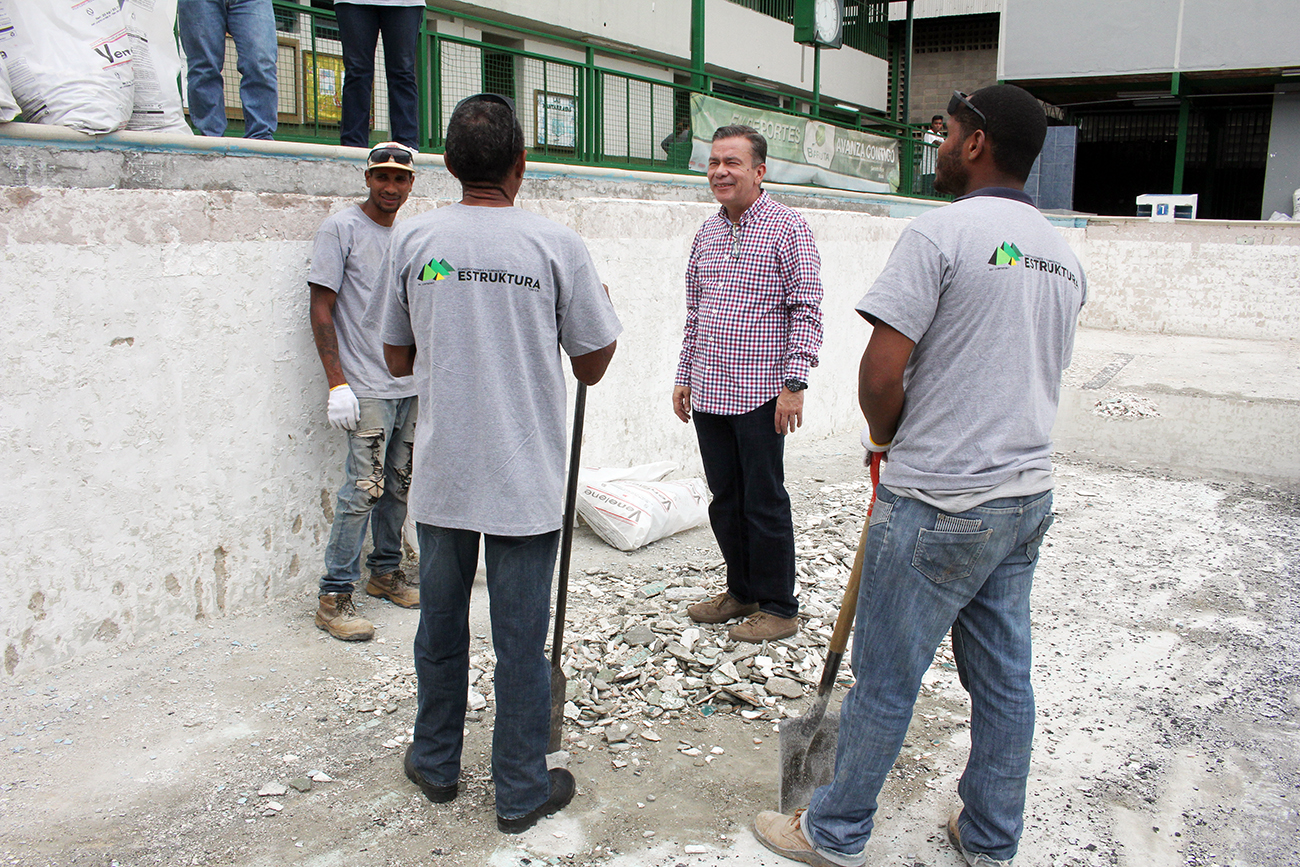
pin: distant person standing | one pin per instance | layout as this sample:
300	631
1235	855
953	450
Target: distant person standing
360	23
931	138
376	408
203	26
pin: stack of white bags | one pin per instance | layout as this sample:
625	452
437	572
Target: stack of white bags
91	65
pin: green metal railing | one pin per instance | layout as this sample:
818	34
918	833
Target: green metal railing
572	111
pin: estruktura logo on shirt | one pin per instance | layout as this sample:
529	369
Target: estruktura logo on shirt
1009	255
437	269
440	269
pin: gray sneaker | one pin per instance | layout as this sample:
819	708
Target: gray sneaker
338	616
974	859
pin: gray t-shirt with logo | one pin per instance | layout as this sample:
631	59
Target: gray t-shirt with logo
348	257
990	293
489	297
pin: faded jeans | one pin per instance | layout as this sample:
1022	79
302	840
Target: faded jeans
377	476
519	570
926	572
203	26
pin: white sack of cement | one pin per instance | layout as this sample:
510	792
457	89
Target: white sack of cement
631	514
1124	405
8	107
69	62
640	473
151	24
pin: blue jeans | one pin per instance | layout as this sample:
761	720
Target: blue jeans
377	476
359	29
744	462
926	572
519	572
203	27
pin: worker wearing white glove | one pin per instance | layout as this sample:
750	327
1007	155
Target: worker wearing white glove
344	409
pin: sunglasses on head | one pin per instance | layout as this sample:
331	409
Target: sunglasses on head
960	99
487	97
401	156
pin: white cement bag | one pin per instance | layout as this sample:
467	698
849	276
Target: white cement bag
630	514
8	107
151	25
642	473
69	62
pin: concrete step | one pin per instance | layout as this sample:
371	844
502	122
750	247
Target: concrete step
1204	406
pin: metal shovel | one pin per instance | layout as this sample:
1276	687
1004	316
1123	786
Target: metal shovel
808	742
559	683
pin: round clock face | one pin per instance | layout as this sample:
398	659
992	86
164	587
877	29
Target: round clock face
827	17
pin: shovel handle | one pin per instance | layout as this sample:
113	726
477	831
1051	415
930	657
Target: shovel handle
566	533
848	608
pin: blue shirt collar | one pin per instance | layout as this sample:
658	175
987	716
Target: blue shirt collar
1000	192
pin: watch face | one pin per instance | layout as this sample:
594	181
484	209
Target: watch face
827	15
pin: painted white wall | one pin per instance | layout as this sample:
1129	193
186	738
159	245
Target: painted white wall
1065	38
163	414
662	26
753	44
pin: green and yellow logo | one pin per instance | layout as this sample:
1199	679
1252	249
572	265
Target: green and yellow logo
437	269
1007	254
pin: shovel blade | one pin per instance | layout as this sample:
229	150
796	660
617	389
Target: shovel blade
807	756
559	687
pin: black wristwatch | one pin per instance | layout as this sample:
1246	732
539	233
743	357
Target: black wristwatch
795	385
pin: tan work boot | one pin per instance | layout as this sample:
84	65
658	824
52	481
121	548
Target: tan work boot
396	588
719	609
338	616
762	627
783	835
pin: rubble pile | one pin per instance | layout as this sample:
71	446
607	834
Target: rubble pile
1125	405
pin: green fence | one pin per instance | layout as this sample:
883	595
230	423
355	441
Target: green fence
866	22
572	111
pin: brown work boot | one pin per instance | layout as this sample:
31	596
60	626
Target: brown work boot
762	627
719	609
783	835
338	616
396	588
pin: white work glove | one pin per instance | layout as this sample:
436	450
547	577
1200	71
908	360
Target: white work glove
870	445
344	408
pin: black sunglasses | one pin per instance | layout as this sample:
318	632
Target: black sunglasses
960	99
487	97
396	155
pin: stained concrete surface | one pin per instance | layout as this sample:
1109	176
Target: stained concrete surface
1168	713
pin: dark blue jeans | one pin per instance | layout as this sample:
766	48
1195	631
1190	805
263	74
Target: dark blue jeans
359	29
744	462
519	570
925	572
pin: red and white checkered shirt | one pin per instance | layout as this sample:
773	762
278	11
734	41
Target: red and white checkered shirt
753	308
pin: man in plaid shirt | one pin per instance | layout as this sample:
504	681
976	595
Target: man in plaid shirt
753	328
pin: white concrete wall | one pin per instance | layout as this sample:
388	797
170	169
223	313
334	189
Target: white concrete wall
662	26
163	417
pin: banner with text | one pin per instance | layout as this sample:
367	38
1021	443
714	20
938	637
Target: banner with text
800	150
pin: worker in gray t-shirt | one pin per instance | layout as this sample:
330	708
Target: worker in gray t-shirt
376	408
481	300
973	321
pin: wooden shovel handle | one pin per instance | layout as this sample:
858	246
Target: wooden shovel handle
848	608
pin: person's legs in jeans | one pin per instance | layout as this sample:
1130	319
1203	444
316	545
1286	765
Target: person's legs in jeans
252	26
719	452
202	25
389	514
363	487
992	645
519	570
765	511
359	33
448	560
920	570
401	28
